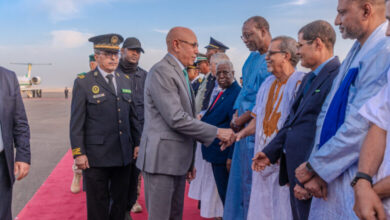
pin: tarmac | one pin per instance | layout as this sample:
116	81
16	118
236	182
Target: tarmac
48	118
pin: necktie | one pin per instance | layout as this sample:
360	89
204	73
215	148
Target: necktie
188	81
308	83
219	95
110	82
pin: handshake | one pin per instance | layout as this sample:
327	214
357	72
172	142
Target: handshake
227	137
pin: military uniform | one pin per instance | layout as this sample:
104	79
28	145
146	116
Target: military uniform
104	126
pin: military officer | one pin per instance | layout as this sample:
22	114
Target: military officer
215	47
104	129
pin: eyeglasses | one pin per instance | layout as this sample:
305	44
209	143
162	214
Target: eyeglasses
109	54
246	36
270	52
299	45
194	45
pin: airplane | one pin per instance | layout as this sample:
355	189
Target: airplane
28	83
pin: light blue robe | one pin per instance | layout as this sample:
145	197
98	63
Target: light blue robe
254	72
336	161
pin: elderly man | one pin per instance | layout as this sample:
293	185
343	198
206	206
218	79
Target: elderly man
104	130
14	135
128	64
273	104
211	202
375	155
256	36
167	148
294	142
220	114
340	128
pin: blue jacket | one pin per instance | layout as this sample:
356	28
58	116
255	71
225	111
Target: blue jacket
14	125
220	116
298	133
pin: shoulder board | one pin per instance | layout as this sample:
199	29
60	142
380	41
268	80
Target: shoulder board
81	75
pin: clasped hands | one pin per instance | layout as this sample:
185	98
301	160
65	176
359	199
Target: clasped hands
313	184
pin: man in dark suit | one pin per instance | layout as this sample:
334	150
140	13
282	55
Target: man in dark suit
104	130
220	114
14	132
294	142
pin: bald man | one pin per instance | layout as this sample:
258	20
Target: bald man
166	154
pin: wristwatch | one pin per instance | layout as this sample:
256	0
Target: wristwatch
360	175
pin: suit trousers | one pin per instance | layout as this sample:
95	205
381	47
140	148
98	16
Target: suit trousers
221	176
133	186
300	208
164	196
107	189
5	190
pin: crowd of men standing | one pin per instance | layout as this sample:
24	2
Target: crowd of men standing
283	145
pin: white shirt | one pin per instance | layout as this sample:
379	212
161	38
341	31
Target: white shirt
104	74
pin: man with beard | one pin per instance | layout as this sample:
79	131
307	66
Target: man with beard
128	65
340	132
104	130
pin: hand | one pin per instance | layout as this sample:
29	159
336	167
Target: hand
303	174
191	175
135	153
240	135
317	186
199	116
21	169
301	193
260	161
367	205
228	164
227	137
82	162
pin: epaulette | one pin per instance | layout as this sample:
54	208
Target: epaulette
81	75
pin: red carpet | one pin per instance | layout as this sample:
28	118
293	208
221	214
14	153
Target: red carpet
53	200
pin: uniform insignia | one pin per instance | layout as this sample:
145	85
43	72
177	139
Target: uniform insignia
114	39
95	73
81	75
76	151
200	80
127	76
95	89
317	90
98	96
128	91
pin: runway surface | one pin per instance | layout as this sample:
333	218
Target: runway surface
49	124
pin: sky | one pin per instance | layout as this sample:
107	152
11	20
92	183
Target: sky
57	31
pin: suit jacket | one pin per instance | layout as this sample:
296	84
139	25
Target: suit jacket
220	116
15	130
296	137
171	129
103	124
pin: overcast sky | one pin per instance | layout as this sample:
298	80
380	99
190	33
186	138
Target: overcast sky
57	31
